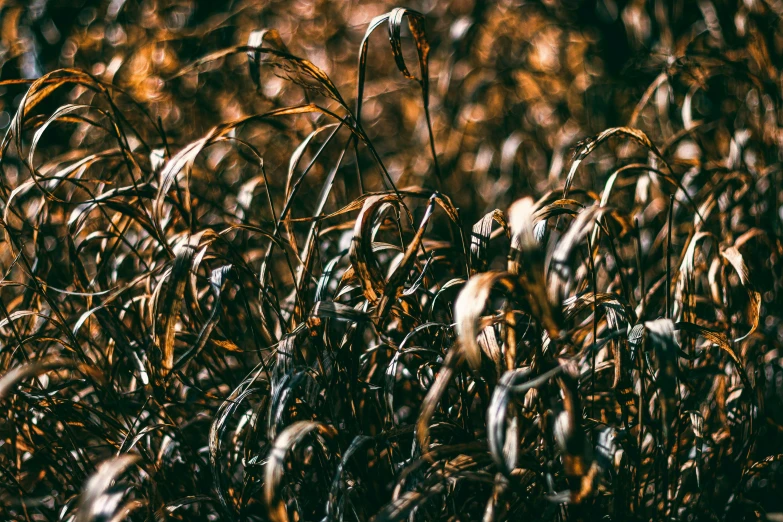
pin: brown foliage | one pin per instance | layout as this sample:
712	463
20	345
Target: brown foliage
242	284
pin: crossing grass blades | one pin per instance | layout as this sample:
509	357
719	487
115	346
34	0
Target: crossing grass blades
177	347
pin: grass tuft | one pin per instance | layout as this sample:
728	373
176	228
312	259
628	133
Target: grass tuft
239	284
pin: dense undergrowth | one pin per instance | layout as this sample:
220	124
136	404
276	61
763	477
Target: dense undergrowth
266	305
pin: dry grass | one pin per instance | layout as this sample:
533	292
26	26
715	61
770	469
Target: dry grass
236	287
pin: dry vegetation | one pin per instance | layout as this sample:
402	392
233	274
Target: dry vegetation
293	261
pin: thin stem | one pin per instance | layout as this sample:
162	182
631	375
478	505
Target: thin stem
639	267
669	259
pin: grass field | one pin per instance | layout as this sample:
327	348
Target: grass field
349	261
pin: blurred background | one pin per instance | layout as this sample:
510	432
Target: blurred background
514	85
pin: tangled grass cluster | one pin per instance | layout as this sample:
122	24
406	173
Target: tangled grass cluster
188	334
